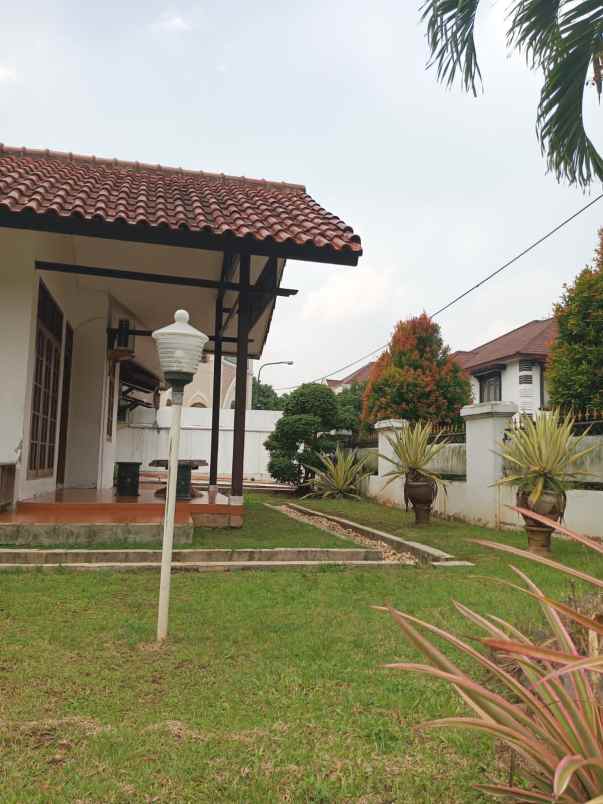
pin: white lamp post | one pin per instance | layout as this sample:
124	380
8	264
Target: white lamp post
180	349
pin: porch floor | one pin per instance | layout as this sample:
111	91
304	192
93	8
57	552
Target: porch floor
100	506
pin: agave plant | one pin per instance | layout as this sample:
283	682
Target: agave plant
413	450
551	716
339	476
543	454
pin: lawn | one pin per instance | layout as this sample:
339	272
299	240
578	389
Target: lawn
452	537
265	528
270	688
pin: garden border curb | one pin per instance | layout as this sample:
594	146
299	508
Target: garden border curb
437	558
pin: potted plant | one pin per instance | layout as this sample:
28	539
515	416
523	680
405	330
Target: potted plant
413	450
339	476
541	455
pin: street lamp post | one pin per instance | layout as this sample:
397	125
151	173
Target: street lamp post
180	349
275	363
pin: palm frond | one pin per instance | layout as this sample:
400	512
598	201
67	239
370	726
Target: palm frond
562	38
560	124
450	36
534	28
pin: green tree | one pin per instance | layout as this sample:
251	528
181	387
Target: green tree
349	407
562	39
575	370
415	378
264	397
310	413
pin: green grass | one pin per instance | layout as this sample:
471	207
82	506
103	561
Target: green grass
266	528
450	536
270	688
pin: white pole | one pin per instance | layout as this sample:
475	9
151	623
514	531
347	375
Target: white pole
168	521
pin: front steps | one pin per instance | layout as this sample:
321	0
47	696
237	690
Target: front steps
193	560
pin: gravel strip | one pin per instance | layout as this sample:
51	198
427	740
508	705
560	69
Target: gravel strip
333	527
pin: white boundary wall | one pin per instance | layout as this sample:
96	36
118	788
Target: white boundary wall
146	437
478	500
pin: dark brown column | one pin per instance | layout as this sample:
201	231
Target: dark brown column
238	450
217	396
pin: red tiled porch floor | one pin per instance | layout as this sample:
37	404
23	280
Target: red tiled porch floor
93	506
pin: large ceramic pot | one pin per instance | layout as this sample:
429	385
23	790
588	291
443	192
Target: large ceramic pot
552	505
421	491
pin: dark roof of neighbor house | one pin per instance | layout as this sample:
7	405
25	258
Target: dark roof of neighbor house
360	375
253	214
530	340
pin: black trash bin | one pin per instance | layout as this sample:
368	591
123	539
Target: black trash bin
127	482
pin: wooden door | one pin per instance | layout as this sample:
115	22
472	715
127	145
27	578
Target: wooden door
67	360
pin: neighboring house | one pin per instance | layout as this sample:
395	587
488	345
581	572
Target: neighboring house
512	367
199	393
360	375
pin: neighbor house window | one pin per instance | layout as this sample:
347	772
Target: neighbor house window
490	387
45	398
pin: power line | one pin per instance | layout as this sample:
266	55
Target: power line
466	292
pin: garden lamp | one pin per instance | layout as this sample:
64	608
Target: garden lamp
180	348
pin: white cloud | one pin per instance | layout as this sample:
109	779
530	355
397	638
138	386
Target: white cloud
172	22
7	74
351	293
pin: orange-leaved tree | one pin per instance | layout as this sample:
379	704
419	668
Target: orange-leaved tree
416	378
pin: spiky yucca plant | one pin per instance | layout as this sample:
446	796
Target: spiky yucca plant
413	450
551	716
543	454
340	476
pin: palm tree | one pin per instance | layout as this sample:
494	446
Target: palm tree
563	38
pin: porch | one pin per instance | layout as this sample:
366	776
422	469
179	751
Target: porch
94	255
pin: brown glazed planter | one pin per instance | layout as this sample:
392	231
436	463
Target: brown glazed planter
421	493
551	505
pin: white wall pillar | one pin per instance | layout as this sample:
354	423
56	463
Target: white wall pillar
486	424
386	429
87	409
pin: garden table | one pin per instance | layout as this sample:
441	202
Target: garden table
184	486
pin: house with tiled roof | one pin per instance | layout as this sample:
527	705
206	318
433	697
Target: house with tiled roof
95	254
512	367
360	375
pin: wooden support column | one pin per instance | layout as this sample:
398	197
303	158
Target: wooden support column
238	450
216	405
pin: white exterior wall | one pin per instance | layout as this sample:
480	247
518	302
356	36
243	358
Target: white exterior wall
146	438
17	279
89	455
478	499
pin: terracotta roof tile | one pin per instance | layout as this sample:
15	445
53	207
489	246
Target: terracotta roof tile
533	339
108	190
359	375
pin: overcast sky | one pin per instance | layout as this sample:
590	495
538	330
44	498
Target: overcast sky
442	187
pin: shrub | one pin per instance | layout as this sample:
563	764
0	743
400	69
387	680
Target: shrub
302	433
551	716
339	476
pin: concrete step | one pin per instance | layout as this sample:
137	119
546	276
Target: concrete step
195	556
209	566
